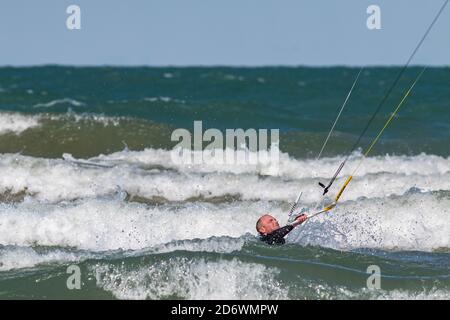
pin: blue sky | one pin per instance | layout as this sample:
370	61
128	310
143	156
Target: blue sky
227	32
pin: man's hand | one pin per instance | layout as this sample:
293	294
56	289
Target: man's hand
300	219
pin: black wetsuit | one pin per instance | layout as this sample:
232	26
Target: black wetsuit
277	236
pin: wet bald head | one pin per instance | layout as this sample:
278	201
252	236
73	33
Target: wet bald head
267	224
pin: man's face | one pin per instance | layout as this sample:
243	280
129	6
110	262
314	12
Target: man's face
268	224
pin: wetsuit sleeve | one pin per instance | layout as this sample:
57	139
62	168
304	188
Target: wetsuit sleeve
277	236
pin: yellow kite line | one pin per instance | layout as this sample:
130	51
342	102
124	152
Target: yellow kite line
375	140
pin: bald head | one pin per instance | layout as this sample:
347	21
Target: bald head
266	224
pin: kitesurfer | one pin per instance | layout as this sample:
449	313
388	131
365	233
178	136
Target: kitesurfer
270	232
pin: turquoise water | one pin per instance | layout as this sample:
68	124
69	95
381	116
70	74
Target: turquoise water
86	179
301	102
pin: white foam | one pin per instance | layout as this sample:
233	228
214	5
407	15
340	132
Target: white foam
293	168
317	289
52	103
213	244
233	77
163	99
56	180
410	222
87	117
17	123
26	257
108	224
197	279
191	279
433	294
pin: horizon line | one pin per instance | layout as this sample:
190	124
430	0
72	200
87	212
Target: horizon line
221	65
